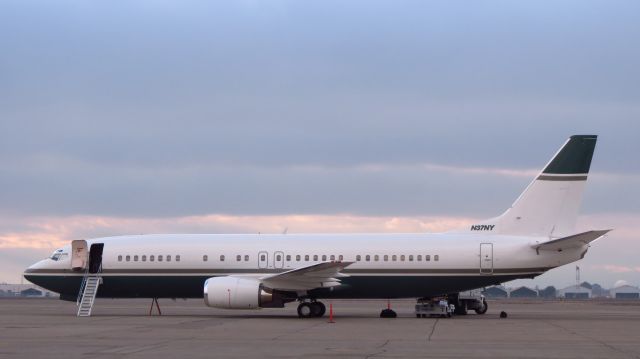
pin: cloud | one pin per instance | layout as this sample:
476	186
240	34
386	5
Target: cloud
51	232
50	185
613	268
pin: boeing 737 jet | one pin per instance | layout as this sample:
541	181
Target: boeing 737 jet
251	271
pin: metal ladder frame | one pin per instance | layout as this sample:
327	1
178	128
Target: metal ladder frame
83	288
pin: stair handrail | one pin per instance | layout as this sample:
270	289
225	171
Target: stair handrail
84	283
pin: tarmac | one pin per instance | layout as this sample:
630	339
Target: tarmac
48	328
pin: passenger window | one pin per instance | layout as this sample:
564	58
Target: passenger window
177	258
128	258
315	257
298	258
394	258
151	258
246	257
324	257
168	258
436	258
419	257
306	257
386	258
222	258
238	258
402	258
411	258
427	257
340	258
278	258
288	258
358	258
119	258
135	258
367	257
376	258
332	257
204	258
160	258
144	257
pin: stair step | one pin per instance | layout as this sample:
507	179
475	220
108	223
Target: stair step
89	293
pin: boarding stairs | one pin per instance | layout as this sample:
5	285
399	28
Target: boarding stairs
87	295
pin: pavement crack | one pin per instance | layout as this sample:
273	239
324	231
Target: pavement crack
433	329
277	337
605	344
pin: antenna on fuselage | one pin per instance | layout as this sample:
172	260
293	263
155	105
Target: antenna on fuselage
286	229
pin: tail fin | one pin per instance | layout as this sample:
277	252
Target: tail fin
549	205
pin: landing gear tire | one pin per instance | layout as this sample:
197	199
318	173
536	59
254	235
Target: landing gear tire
318	309
484	308
388	313
311	310
305	310
461	309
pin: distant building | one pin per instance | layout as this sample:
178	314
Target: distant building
523	292
495	292
598	292
24	290
548	292
31	292
625	292
575	292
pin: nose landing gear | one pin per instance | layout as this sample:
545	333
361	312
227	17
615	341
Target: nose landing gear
311	309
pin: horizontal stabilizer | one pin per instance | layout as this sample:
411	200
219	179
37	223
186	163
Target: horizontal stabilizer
576	240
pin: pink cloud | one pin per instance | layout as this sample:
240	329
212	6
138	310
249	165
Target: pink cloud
50	232
617	269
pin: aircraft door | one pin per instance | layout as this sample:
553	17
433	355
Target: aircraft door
263	260
79	254
486	258
95	258
278	260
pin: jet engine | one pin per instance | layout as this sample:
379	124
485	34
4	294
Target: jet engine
241	293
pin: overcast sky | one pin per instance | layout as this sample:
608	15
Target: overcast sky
245	116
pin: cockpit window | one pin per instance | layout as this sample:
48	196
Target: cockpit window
57	255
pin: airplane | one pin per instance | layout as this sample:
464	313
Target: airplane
252	271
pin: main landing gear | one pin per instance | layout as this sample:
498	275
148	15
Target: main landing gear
483	307
311	309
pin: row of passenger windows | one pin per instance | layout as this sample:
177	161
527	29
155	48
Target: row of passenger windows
152	258
205	258
402	258
298	258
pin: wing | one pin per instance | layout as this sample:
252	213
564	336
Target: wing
321	275
576	240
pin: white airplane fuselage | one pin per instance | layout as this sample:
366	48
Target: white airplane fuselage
385	265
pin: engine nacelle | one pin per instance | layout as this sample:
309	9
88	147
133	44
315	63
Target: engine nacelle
240	293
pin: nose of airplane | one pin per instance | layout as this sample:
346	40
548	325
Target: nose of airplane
35	267
32	273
